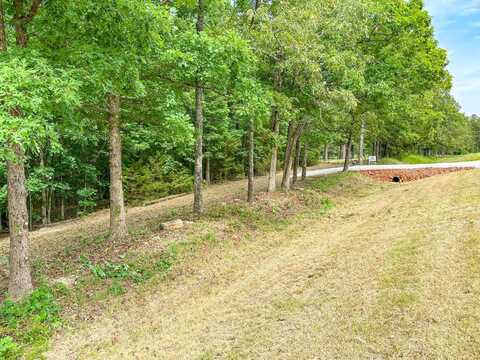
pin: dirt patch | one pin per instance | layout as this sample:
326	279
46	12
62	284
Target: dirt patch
409	175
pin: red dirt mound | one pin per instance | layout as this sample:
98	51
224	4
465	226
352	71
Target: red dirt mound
409	175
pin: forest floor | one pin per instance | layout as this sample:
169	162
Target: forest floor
49	239
342	268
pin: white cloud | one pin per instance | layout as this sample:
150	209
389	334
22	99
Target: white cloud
453	7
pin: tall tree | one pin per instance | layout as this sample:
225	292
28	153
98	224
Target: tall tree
20	281
29	86
198	195
118	221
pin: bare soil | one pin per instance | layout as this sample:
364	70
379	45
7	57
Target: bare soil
409	175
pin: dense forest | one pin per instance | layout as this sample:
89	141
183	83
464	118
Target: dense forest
114	101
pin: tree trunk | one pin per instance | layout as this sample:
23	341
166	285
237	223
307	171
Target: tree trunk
207	171
20	281
343	151
361	147
348	152
49	207
272	175
288	157
293	136
325	152
296	161
62	207
251	164
118	224
3	35
305	161
198	195
21	35
30	212
44	192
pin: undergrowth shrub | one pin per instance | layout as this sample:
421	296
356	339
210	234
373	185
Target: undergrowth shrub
28	323
109	270
138	271
8	348
156	178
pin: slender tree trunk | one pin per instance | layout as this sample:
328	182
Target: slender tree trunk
20	26
49	208
30	212
305	161
3	36
296	161
288	157
343	151
44	192
62	207
207	170
361	147
251	164
118	224
325	152
294	134
272	175
198	195
348	153
20	281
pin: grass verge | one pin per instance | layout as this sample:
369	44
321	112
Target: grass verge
420	159
103	271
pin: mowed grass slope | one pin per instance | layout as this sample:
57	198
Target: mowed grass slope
420	159
391	274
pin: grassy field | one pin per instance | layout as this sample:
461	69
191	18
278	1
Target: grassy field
419	159
343	268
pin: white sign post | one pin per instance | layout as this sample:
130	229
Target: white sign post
372	160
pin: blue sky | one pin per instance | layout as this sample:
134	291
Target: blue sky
457	27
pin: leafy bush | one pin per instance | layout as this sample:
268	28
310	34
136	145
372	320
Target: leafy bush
86	200
416	159
8	348
156	178
110	270
137	272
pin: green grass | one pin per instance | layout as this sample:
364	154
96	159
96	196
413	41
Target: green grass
420	159
30	323
325	183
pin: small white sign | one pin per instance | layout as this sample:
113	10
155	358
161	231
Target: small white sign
372	159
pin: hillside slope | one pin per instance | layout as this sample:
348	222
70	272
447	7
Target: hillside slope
393	274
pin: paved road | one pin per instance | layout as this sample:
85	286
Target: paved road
466	164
